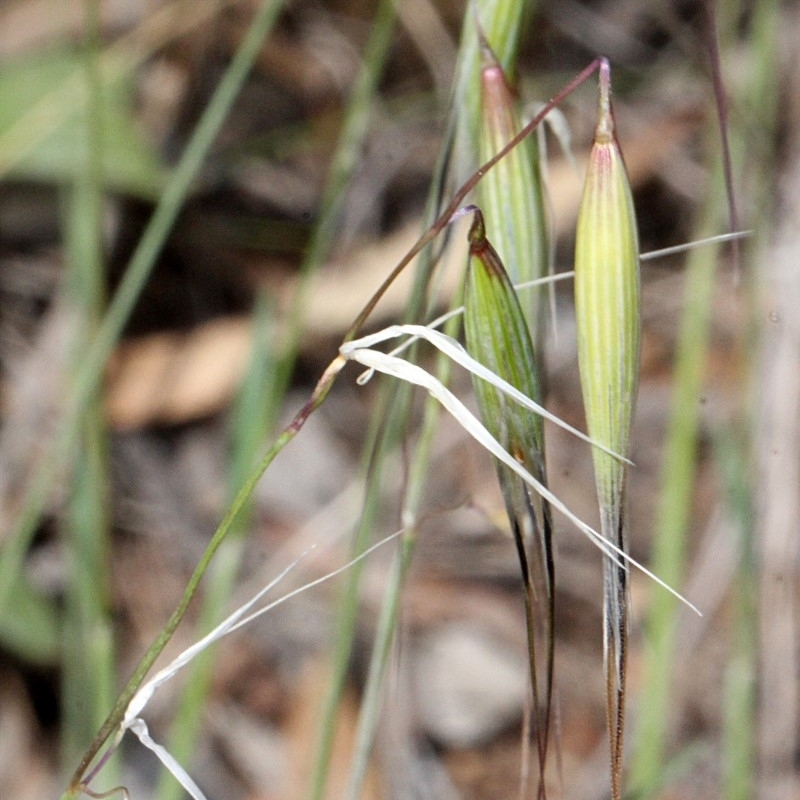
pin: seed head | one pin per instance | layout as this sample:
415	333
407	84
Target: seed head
608	323
497	335
607	299
512	194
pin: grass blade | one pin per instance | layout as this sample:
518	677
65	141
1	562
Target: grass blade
88	667
120	308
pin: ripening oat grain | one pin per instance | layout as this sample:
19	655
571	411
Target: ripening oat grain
497	336
512	194
608	321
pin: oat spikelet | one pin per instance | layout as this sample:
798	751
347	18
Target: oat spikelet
512	195
497	336
607	299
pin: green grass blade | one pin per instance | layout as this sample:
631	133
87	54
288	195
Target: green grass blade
753	156
674	517
381	650
739	697
33	632
67	93
503	23
136	275
88	666
240	502
755	149
382	647
381	439
254	415
344	162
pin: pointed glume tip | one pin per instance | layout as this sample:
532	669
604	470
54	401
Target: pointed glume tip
605	121
477	231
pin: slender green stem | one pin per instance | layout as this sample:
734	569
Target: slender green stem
88	674
751	152
735	453
674	519
380	441
739	699
381	650
344	162
387	623
254	415
111	725
503	20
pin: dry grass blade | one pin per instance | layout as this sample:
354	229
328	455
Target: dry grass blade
608	319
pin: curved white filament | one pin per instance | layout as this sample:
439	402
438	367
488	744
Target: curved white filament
399	368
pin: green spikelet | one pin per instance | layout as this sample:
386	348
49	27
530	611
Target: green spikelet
608	321
512	194
497	335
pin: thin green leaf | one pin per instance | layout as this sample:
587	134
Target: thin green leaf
129	163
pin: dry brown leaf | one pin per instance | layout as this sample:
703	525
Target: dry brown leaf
170	378
303	732
24	773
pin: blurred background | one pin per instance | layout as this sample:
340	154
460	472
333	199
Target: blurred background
219	252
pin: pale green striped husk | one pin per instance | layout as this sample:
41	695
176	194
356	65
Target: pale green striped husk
512	195
497	335
607	298
607	307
